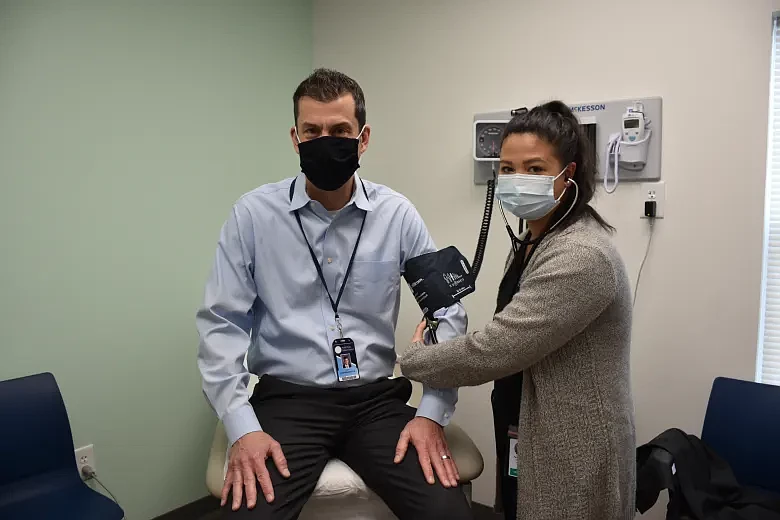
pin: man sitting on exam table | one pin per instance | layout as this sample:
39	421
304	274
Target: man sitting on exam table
306	280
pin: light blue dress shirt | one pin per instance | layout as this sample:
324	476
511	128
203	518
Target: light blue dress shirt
265	299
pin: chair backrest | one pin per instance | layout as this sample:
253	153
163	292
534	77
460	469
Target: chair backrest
35	436
742	425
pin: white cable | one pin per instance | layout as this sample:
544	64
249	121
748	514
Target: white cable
613	149
614	146
571	207
642	265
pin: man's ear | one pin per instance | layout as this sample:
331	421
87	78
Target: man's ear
365	137
294	137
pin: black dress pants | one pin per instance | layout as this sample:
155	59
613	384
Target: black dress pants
505	400
360	426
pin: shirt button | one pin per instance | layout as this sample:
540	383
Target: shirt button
330	260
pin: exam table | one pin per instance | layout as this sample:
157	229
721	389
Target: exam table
340	492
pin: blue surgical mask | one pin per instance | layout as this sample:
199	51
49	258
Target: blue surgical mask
529	197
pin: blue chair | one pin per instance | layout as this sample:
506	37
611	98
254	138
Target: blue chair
38	475
742	425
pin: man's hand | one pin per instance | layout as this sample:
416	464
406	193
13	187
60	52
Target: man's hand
428	439
247	464
419	332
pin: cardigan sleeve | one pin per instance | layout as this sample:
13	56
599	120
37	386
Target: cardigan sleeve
567	289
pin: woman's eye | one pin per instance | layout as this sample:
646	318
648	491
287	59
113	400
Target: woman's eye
535	169
507	169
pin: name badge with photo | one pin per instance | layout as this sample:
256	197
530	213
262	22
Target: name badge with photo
345	358
512	455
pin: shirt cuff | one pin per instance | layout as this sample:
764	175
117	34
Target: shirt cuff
437	405
239	422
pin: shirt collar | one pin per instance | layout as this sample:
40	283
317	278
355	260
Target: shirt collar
300	198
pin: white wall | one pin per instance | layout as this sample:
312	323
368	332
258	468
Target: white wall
428	66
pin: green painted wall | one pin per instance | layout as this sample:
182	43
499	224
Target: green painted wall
127	130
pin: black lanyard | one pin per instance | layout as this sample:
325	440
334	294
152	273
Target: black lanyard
334	304
510	283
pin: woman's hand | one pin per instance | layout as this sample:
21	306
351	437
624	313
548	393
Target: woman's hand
419	333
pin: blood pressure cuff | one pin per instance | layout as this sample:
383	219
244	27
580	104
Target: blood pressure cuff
439	279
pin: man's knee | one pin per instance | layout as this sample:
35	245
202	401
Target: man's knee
261	511
451	505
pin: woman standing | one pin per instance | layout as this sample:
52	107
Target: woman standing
564	320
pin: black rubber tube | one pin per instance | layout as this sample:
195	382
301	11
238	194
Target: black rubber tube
484	229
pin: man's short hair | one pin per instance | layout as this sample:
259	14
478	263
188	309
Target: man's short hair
326	85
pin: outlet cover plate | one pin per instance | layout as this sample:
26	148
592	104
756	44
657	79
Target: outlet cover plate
85	456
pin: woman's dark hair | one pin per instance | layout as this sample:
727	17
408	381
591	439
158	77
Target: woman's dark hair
555	123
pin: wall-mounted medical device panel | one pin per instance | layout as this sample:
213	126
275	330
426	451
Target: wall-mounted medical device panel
629	130
487	130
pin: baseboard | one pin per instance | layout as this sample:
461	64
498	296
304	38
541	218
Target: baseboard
193	510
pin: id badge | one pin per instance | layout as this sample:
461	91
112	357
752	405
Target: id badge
345	358
512	455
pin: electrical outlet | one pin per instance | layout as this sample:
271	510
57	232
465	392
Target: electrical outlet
85	456
654	191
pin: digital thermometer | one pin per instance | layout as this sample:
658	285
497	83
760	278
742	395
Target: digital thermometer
633	126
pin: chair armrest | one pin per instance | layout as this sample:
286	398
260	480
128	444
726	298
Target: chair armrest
464	452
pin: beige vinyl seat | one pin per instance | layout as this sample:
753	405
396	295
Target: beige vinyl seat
340	493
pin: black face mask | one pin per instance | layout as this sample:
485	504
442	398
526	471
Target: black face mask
329	162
